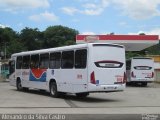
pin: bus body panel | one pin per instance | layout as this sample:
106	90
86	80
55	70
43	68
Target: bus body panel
70	81
108	68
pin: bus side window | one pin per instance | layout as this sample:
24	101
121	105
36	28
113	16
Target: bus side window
11	67
26	61
44	61
19	62
67	59
80	58
34	64
55	60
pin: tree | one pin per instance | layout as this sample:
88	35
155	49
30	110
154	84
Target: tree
32	38
154	50
7	35
130	54
59	36
15	46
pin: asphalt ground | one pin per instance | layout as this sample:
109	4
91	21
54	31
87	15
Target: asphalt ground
135	102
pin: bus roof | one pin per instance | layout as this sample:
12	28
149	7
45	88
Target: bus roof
140	58
63	48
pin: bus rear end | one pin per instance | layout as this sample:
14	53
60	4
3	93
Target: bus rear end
142	70
106	68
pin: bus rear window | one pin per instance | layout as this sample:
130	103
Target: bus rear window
142	68
80	59
109	64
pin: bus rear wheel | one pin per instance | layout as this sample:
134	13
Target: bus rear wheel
53	90
19	85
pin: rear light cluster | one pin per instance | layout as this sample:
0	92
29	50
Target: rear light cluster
93	81
124	78
152	74
122	81
132	74
92	78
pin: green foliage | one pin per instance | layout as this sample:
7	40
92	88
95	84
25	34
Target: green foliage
15	46
33	39
7	36
130	54
59	36
53	36
154	50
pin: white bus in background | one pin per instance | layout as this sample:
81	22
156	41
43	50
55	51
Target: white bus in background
140	70
79	69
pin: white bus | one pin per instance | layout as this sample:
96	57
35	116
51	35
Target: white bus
78	69
140	70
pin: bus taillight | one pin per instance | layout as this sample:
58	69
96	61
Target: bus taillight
152	74
92	78
132	74
125	78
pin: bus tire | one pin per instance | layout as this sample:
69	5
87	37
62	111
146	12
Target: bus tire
53	90
19	85
82	95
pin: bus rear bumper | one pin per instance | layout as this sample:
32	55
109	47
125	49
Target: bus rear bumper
142	80
106	88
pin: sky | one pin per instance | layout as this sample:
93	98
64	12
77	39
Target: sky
86	16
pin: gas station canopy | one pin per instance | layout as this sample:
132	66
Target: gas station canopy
131	42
